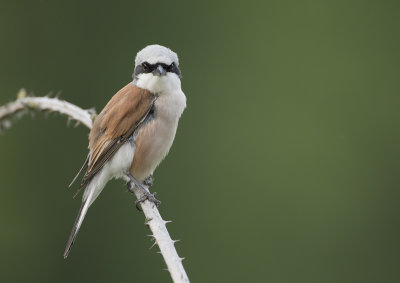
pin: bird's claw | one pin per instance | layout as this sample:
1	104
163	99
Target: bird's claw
146	195
149	181
149	197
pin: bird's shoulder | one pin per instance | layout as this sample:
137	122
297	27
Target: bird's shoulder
124	110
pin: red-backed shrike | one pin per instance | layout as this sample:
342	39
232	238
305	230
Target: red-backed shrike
135	130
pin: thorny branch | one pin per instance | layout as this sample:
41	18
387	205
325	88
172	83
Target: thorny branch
24	104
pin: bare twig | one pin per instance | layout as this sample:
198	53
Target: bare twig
161	236
154	220
24	104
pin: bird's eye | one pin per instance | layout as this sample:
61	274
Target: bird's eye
170	67
146	66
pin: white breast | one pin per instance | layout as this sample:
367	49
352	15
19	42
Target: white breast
155	138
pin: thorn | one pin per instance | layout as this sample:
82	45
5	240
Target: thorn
181	258
20	113
151	236
175	241
77	123
21	93
159	252
155	243
167	221
69	119
58	94
165	269
92	113
6	124
47	113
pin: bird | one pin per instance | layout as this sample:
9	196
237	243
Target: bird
135	130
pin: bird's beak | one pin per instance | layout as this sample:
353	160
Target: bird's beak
159	71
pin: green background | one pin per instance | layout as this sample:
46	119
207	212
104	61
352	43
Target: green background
285	167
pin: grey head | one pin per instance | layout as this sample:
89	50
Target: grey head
157	60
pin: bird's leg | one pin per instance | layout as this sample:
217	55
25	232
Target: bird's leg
146	195
149	181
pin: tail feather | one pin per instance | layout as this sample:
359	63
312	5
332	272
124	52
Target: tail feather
77	225
92	191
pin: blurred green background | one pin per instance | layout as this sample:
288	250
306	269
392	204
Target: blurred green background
285	167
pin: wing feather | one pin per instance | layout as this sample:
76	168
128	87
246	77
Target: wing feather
119	119
83	168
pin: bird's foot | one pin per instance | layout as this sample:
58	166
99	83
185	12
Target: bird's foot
146	195
149	181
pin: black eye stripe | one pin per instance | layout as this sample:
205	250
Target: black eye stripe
146	68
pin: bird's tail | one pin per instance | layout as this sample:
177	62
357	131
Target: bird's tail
78	222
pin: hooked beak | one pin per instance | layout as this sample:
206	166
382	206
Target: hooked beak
159	71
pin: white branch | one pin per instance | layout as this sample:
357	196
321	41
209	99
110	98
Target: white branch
162	238
20	106
153	217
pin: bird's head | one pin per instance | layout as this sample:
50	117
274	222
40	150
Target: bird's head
155	63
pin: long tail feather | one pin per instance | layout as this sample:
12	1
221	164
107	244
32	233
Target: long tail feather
77	225
92	191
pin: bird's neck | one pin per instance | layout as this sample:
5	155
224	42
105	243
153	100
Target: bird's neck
167	84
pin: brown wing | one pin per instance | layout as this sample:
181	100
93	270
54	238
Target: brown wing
119	119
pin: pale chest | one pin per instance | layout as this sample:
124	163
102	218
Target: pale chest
155	138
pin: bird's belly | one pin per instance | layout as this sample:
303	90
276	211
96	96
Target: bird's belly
152	144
